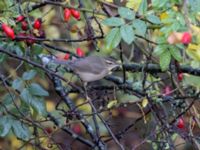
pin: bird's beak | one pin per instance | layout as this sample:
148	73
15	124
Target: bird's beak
116	66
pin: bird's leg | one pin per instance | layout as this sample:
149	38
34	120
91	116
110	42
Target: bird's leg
85	89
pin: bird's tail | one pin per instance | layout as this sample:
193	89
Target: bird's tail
47	59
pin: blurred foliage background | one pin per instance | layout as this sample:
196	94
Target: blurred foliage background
150	102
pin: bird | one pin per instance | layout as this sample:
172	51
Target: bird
93	68
89	69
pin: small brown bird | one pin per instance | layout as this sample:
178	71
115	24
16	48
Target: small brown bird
91	68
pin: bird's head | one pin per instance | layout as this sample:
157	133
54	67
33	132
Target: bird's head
111	63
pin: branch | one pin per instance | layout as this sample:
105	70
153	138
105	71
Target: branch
155	68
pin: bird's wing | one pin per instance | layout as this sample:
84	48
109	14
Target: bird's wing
91	64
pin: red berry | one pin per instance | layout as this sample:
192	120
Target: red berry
48	130
20	18
76	128
67	14
180	76
186	38
37	23
76	14
167	91
8	31
66	57
80	52
24	25
180	123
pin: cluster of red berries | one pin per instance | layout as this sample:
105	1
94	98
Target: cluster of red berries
21	20
67	15
68	12
37	24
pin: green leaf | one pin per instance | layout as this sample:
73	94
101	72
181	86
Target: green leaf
35	102
18	84
113	21
143	7
5	125
175	52
37	90
18	50
2	57
159	50
159	3
191	80
194	4
21	130
14	48
161	40
26	96
180	18
39	105
24	108
140	27
9	3
7	101
154	19
8	98
127	33
126	13
9	46
113	38
165	59
37	49
126	98
29	75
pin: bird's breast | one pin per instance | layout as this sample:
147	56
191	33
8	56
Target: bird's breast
89	77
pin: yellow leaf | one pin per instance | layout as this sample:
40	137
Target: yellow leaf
73	95
109	1
16	143
111	104
144	102
83	106
163	16
193	46
196	32
195	29
175	8
193	51
50	15
50	106
133	4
